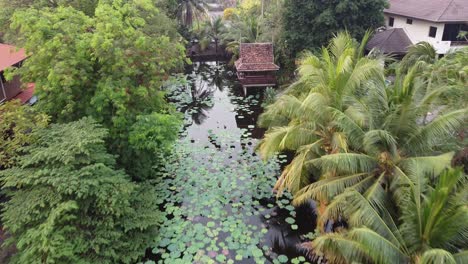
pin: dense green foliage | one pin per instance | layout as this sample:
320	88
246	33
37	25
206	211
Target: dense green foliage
360	142
371	153
310	24
17	126
349	129
431	225
9	7
110	66
250	23
69	204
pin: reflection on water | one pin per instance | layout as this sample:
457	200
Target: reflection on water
215	104
229	110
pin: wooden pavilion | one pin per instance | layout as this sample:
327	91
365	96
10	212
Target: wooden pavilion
256	65
11	56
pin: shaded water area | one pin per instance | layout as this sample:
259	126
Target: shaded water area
217	193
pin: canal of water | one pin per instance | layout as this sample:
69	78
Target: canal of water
217	193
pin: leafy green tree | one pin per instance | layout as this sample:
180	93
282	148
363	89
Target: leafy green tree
151	138
310	24
10	7
69	204
431	225
110	66
17	127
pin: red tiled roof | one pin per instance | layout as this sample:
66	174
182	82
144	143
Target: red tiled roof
10	55
392	41
431	10
256	57
26	94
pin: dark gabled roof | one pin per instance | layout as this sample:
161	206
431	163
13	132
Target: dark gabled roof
431	10
10	55
256	57
392	41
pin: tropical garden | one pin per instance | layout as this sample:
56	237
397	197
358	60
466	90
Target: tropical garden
137	153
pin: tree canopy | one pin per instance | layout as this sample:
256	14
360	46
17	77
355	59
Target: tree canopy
69	204
17	127
310	24
430	226
110	66
9	7
351	130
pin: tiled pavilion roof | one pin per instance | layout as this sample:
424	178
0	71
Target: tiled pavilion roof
256	57
10	55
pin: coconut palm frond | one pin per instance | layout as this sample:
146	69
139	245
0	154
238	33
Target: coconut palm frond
325	189
417	167
295	176
360	52
434	256
461	257
365	69
401	121
445	221
345	163
313	107
337	248
286	106
422	52
378	248
360	211
285	138
439	130
352	130
377	141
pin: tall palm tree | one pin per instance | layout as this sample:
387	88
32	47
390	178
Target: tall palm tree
241	28
190	11
430	226
301	120
351	131
391	144
213	30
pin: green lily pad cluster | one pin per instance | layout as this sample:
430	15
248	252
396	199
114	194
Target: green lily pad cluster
212	203
244	105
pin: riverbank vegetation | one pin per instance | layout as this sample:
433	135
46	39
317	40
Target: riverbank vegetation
101	170
78	178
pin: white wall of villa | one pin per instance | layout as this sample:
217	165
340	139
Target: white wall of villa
419	31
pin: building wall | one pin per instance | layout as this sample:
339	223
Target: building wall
419	31
9	88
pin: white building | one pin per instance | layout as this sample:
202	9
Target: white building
435	21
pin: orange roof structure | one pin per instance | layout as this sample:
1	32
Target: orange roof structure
256	57
25	95
10	55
